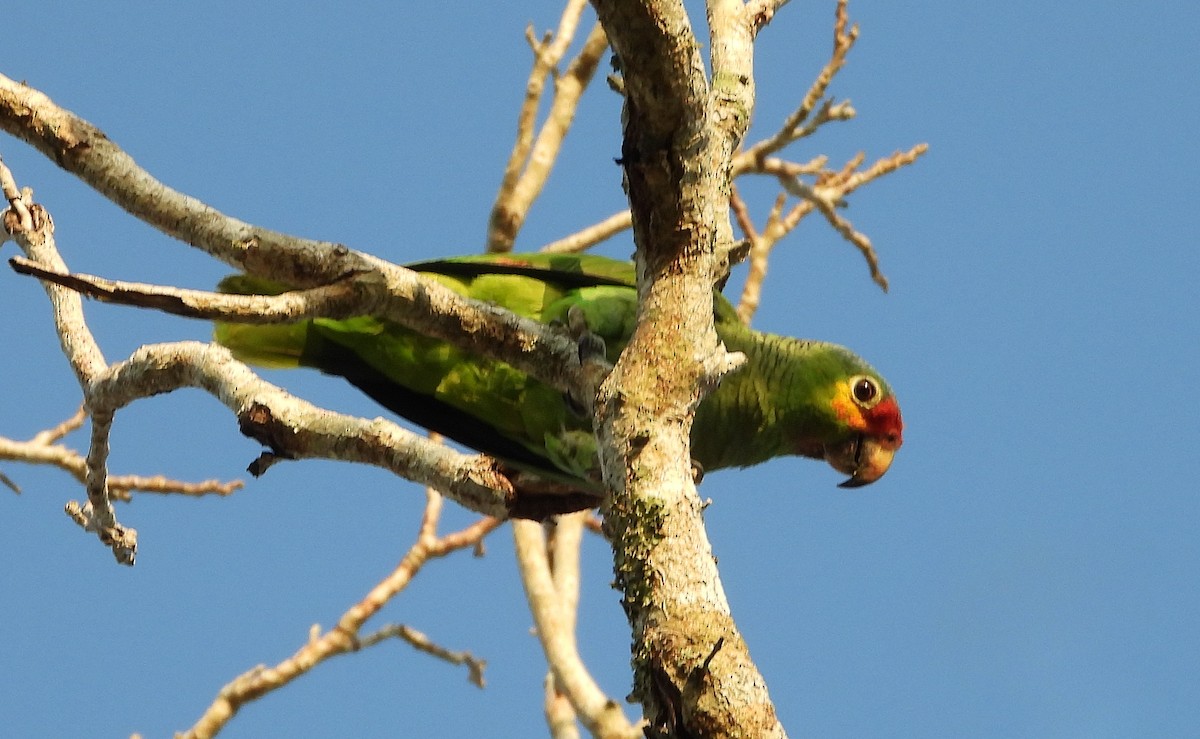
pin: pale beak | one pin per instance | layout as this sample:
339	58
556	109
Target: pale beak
864	458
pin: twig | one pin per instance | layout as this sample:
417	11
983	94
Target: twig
593	524
744	164
340	299
761	12
830	192
83	354
553	612
546	55
16	201
74	423
343	637
822	200
41	449
386	290
826	196
592	235
531	160
423	643
796	125
761	244
831	187
8	483
741	214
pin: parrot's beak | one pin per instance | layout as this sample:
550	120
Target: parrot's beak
862	457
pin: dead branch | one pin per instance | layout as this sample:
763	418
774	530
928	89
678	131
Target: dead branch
590	236
532	159
337	300
797	125
42	450
552	600
827	194
344	637
680	136
385	290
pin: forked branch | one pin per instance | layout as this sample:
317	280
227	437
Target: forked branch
345	636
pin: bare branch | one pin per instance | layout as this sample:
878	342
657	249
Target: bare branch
563	542
337	300
829	194
679	139
560	716
16	201
554	615
419	641
531	160
826	196
88	363
344	637
760	12
8	483
592	235
546	55
74	423
85	151
294	429
42	450
387	290
741	214
821	199
795	126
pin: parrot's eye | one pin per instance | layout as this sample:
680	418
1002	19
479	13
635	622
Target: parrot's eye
865	390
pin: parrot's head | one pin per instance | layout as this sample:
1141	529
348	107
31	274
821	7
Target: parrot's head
845	411
868	426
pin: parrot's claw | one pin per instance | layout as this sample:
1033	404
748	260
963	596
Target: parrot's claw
697	472
592	350
591	346
577	409
729	259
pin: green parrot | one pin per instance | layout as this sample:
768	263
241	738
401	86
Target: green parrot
792	396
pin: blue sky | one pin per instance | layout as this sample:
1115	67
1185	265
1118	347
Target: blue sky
1027	568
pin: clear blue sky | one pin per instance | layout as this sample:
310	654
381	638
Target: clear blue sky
1028	567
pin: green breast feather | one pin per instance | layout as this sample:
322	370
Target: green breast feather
787	400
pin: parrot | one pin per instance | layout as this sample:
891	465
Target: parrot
791	397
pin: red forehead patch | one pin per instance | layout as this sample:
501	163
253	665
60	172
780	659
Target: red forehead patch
884	422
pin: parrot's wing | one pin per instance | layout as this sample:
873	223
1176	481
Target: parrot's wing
481	403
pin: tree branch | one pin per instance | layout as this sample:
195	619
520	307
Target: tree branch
796	125
591	235
42	449
692	672
384	289
295	429
344	637
33	230
552	604
531	160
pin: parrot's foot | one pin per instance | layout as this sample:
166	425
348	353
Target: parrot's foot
729	259
592	352
591	346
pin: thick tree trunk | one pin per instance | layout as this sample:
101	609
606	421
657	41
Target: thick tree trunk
693	672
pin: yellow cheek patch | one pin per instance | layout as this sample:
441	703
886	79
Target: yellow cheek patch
846	409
